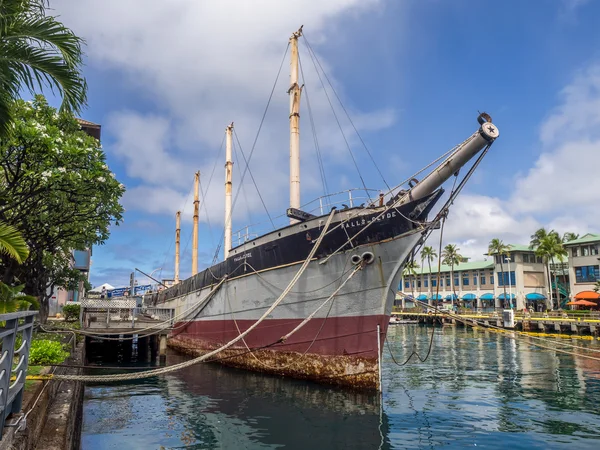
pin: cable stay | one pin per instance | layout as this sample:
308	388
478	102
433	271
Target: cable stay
315	58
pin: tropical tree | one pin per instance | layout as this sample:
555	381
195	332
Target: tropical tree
569	236
498	247
429	254
546	244
12	243
451	257
410	270
57	191
12	299
597	286
551	247
37	51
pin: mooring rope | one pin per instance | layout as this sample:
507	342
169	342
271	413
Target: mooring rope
191	362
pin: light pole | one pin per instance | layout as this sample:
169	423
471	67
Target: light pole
509	284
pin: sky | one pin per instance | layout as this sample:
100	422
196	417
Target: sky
166	78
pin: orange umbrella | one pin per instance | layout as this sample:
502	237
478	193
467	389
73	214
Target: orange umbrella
582	303
587	295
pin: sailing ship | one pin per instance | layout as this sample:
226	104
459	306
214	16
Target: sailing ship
313	299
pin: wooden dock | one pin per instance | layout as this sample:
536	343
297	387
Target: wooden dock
543	323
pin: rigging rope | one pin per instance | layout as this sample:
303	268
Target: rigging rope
314	131
340	126
164	370
311	51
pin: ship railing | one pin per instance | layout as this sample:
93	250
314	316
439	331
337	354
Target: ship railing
349	198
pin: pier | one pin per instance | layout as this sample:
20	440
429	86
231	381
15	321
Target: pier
553	322
126	318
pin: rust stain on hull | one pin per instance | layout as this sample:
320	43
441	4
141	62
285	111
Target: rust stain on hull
353	372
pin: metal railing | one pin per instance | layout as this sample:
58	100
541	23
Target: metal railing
122	313
11	395
322	205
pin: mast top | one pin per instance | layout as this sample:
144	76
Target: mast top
297	34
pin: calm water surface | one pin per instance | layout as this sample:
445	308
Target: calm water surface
478	389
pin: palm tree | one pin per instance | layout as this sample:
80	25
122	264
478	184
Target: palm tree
498	247
429	254
540	237
12	243
12	299
37	51
451	257
410	270
569	236
551	247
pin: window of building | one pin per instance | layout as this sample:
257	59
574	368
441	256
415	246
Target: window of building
593	249
504	279
456	281
465	281
587	274
419	283
474	280
407	285
585	251
433	283
575	252
525	257
426	283
539	260
482	279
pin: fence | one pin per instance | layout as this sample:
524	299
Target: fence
123	313
11	395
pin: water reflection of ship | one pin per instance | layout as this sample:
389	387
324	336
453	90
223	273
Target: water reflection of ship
236	407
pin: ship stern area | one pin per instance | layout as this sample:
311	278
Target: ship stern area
338	346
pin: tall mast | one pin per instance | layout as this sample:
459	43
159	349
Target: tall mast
228	174
294	92
177	243
195	231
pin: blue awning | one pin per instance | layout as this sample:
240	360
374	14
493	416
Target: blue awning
534	296
422	297
436	297
511	296
487	296
469	297
451	297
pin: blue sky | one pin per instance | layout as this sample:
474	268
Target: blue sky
167	77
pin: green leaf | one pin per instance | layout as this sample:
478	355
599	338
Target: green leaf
12	243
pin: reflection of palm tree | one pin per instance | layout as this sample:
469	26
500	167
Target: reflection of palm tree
451	257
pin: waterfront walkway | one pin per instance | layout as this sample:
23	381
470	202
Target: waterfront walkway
541	322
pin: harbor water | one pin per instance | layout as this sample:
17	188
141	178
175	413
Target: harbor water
477	389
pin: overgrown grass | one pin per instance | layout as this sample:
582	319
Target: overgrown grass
44	352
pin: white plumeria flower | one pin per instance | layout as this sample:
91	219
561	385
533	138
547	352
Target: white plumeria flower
59	140
79	140
101	179
62	169
104	166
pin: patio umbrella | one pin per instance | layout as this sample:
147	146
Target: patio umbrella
587	295
582	303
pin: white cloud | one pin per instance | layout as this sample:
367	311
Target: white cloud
203	65
559	191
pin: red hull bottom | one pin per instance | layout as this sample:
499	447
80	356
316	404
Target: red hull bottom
338	350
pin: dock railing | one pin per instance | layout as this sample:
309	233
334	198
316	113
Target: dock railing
11	394
122	314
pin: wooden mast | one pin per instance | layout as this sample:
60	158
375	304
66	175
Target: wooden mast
195	230
294	92
228	184
177	244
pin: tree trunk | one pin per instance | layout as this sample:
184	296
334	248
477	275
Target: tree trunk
502	277
452	285
429	302
549	282
556	288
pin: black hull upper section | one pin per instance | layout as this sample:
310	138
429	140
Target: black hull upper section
296	247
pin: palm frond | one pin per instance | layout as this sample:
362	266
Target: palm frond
12	243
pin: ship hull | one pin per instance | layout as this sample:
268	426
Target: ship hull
340	345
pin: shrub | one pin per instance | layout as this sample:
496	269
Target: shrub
71	311
43	352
